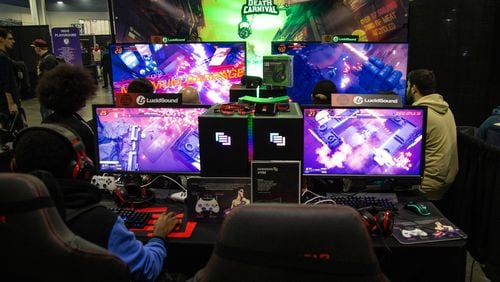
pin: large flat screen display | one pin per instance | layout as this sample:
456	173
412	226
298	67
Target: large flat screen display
358	68
148	140
211	68
364	142
259	22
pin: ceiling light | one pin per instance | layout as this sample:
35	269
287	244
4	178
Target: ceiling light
60	2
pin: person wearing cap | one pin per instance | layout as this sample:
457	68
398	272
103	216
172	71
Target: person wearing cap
46	62
9	97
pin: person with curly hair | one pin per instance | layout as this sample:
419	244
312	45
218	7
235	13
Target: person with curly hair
65	90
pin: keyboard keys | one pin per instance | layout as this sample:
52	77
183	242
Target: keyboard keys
132	219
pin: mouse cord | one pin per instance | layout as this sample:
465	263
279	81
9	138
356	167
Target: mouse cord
167	177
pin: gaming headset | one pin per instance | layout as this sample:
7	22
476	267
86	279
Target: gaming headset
377	222
132	195
80	167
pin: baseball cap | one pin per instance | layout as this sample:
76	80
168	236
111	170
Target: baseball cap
39	43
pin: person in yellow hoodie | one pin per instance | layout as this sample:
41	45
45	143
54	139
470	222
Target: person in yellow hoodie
441	156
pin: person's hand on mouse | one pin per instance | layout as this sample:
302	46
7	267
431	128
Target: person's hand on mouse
165	224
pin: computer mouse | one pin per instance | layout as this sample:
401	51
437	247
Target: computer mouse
419	208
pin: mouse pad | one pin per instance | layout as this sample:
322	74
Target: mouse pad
410	228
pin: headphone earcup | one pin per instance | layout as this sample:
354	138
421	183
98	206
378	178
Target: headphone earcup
120	196
379	224
369	220
385	222
13	167
133	199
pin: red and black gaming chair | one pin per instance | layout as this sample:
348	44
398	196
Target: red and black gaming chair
36	245
277	242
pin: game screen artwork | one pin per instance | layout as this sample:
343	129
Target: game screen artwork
211	68
259	22
152	140
363	141
357	68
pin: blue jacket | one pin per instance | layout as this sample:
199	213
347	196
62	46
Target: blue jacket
102	227
145	262
487	123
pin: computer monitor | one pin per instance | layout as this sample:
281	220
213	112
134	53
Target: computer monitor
148	140
357	68
209	67
371	143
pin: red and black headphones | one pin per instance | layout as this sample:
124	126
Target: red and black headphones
133	196
80	167
378	222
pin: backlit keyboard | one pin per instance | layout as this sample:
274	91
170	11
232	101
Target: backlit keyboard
375	201
133	219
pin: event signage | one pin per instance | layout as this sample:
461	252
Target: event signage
66	42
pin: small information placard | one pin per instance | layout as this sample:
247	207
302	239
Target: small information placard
276	181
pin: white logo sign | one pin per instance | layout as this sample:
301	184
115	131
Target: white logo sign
141	100
358	100
277	139
225	140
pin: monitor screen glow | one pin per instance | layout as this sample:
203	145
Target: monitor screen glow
364	142
209	67
148	140
357	68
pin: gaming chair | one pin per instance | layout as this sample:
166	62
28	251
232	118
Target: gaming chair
36	244
288	242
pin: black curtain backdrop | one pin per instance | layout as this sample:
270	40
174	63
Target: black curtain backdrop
472	201
458	40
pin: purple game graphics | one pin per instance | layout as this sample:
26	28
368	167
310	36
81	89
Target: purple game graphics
358	68
211	68
152	140
363	141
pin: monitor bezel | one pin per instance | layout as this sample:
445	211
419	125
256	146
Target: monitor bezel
413	179
94	123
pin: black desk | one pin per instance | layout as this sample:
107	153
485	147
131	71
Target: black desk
440	261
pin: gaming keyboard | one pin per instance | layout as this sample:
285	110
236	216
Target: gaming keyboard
375	201
133	219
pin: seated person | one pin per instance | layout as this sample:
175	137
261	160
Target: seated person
487	123
66	90
141	85
49	150
190	95
322	92
441	154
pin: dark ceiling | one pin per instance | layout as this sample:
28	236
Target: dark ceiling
67	6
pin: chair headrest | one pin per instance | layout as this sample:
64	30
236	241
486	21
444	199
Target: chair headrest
35	240
320	239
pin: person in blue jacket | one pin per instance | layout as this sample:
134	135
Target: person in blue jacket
46	150
487	123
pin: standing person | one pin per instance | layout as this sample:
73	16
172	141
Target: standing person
46	62
441	155
106	67
9	96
